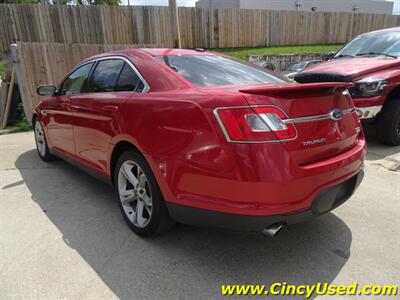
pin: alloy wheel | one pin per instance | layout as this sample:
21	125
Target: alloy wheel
134	194
40	139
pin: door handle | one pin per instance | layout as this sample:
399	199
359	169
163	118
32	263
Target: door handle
109	108
65	105
76	107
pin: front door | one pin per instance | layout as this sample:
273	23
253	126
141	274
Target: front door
60	119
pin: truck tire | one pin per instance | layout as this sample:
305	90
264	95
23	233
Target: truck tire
388	125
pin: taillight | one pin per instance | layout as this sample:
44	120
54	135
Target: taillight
254	124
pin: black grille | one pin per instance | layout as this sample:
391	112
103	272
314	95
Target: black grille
310	77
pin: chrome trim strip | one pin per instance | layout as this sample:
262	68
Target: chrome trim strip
146	85
369	112
317	117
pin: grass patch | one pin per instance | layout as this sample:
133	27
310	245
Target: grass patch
20	126
2	69
242	52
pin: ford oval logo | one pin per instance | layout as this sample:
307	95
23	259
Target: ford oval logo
336	115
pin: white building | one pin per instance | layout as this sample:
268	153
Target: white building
396	8
359	6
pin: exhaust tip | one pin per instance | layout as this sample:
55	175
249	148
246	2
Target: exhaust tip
273	229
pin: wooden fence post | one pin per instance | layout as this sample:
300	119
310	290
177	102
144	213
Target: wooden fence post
8	100
174	17
3	100
21	83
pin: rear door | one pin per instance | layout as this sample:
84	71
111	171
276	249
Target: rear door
97	115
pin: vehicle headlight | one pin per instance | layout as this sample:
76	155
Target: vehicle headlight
369	87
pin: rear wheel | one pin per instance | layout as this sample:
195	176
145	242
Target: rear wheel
41	141
140	198
389	123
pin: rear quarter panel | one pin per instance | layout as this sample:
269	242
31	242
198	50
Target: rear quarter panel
179	137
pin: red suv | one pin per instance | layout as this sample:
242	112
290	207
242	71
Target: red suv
200	138
372	62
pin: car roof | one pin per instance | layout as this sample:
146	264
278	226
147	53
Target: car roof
158	76
152	52
173	51
392	29
307	61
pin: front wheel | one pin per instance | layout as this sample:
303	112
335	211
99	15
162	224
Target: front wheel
41	142
140	198
389	123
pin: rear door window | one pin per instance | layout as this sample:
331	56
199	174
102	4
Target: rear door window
105	75
128	80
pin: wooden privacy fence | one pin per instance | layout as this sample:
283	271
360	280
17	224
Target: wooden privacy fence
48	63
200	27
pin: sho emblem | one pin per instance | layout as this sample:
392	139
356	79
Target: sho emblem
313	142
336	115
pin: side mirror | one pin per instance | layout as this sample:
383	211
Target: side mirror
46	90
330	55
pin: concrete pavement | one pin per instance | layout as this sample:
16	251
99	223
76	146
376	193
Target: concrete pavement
62	237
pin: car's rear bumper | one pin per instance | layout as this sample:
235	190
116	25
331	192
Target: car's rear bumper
325	201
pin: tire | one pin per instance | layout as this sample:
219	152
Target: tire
389	123
41	141
140	200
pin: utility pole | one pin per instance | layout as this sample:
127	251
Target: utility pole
173	10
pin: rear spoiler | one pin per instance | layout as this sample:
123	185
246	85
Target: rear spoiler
294	87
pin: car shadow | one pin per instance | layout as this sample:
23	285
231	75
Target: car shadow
187	261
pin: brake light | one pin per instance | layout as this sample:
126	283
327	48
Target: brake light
254	124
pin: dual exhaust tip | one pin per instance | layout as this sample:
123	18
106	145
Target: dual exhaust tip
273	229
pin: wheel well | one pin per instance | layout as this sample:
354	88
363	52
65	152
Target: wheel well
119	148
34	117
395	94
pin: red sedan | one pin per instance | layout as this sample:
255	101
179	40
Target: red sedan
200	138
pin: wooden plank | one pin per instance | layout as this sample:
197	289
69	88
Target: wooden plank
3	97
48	63
200	27
8	100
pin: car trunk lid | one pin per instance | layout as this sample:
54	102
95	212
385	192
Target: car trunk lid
322	113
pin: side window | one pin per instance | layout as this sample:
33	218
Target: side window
105	75
128	80
76	81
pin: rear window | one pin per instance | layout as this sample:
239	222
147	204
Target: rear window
207	70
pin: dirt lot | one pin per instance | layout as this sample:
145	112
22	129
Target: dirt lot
62	236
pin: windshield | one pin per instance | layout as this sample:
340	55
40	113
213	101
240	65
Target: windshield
207	70
296	67
387	43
